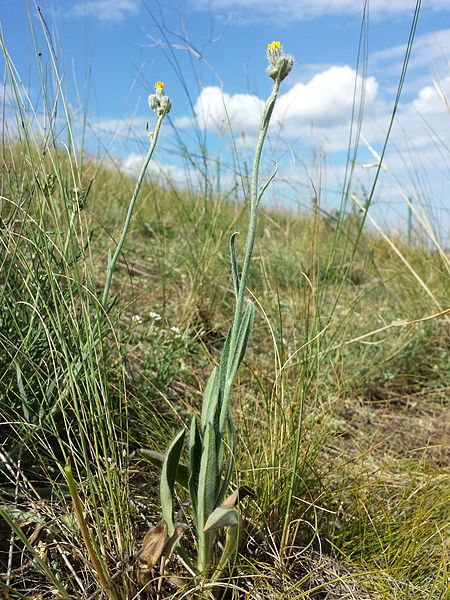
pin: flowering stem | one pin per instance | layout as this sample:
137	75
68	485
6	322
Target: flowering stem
113	260
253	221
254	200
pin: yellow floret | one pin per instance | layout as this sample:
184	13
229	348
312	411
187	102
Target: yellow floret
273	46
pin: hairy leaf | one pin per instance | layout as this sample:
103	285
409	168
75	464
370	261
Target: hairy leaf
157	459
208	476
210	398
168	477
234	264
230	461
195	455
221	517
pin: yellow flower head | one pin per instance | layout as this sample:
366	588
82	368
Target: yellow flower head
273	46
280	63
159	102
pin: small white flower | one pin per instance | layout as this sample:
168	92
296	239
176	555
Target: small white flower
155	316
136	319
176	330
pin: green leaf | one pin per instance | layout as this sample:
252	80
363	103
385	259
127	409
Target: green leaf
231	542
230	461
221	517
243	336
268	182
195	455
238	351
168	477
208	476
157	459
208	485
210	398
234	263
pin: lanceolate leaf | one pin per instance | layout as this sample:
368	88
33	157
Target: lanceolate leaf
234	264
153	545
238	352
268	182
221	517
210	398
243	336
195	455
168	477
157	459
239	494
207	492
230	462
208	476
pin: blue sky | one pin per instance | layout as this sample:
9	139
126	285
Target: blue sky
212	56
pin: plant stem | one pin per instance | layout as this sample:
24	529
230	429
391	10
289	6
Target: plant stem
250	241
113	260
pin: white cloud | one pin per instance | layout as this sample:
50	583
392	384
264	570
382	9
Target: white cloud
216	110
433	99
128	127
325	102
163	173
107	10
299	10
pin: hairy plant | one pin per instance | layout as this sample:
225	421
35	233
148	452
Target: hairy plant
212	439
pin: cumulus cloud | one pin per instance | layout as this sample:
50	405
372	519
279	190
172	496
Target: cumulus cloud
163	173
106	10
216	110
324	102
433	99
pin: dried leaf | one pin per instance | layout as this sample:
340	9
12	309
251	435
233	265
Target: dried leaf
153	545
173	540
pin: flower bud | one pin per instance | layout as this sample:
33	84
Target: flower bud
280	63
158	102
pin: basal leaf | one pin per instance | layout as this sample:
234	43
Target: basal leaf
195	455
157	459
210	398
221	517
168	477
207	483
